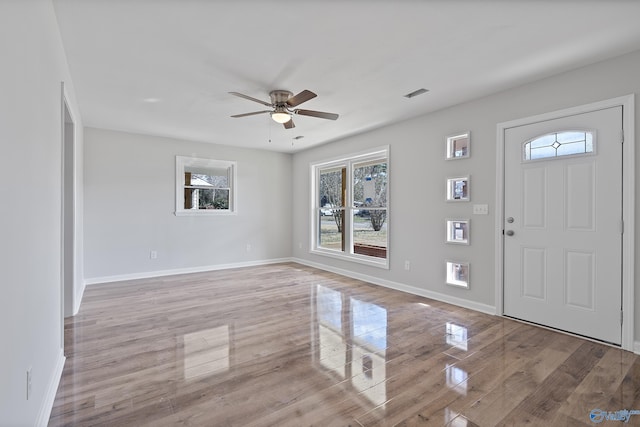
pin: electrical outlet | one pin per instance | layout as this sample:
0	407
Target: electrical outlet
299	245
248	247
29	382
407	265
153	254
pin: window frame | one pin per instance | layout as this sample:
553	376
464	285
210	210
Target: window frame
348	162
184	162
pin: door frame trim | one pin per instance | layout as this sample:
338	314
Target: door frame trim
628	205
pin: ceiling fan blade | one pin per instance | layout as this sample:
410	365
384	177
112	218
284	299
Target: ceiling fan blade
298	99
320	114
289	124
251	114
268	104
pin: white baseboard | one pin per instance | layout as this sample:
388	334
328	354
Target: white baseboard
472	305
50	393
78	299
636	347
160	273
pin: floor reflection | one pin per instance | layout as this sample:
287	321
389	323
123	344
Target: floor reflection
453	419
351	343
332	351
456	378
332	345
206	352
456	336
368	355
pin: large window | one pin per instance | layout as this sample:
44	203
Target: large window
350	207
204	186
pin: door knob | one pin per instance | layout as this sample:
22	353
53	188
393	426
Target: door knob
510	233
510	220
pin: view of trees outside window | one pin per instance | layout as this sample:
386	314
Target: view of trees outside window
332	208
206	191
370	209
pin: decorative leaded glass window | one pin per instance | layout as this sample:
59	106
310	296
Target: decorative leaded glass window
559	144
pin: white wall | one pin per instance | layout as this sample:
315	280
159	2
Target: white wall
129	186
418	172
33	67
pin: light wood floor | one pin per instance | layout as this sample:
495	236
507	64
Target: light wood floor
288	345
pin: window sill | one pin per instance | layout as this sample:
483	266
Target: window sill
365	260
205	212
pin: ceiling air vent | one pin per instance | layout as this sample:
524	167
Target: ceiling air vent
416	93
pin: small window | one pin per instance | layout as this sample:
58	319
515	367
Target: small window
559	144
459	146
458	274
204	186
458	231
458	189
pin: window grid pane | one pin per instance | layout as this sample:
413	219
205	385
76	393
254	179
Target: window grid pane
370	232
206	198
215	181
370	185
330	192
330	229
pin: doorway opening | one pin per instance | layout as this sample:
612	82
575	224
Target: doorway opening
68	214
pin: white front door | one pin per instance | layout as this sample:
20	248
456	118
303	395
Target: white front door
562	229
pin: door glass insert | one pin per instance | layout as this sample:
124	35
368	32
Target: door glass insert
559	144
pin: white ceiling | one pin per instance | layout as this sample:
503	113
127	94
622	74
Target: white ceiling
165	67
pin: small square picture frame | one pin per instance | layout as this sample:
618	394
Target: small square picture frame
458	189
458	231
457	274
459	146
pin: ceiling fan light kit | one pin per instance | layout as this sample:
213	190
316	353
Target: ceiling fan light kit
281	115
281	102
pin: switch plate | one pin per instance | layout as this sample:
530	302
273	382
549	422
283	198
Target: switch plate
153	254
481	209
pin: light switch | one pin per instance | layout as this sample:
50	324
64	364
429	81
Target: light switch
481	209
